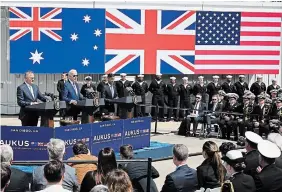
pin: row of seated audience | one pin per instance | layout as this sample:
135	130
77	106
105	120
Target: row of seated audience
259	170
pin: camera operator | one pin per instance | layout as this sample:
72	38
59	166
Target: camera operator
88	90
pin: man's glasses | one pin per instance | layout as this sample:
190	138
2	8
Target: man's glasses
198	97
214	99
75	75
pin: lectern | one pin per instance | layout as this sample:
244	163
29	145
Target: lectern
88	107
125	104
47	111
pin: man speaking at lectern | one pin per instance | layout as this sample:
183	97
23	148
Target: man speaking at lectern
71	94
27	94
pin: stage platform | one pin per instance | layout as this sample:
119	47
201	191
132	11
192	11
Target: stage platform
156	150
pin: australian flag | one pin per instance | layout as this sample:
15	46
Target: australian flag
53	40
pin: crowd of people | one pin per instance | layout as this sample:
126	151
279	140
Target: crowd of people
225	169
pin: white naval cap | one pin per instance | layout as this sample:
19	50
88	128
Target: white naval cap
232	155
201	77
215	77
158	74
253	137
273	79
185	78
241	76
259	76
269	149
228	76
140	75
88	78
123	74
172	78
105	76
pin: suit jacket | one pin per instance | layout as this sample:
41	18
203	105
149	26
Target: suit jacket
252	162
183	179
121	88
25	98
137	173
107	94
243	183
19	181
228	88
207	175
60	88
269	179
100	86
69	92
69	183
218	108
201	108
278	162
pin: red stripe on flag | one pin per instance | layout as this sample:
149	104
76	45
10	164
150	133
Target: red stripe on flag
236	71
235	52
119	64
117	20
17	13
237	62
50	13
258	33
20	35
54	34
259	14
261	43
185	64
260	24
183	18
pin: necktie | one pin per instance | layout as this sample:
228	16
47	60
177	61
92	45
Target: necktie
196	107
31	91
214	106
74	87
112	90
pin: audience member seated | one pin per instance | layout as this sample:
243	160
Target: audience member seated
270	176
5	176
225	147
252	155
81	152
118	181
106	163
276	138
211	172
137	171
100	188
183	178
19	179
54	174
56	151
234	165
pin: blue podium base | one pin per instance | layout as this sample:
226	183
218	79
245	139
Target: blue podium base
156	150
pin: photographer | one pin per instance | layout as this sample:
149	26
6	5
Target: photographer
88	90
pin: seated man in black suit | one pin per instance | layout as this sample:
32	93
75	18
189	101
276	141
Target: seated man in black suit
215	107
183	178
19	180
109	92
137	171
27	94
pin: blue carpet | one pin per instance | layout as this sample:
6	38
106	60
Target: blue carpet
156	150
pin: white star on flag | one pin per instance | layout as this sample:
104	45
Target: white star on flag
86	18
95	47
85	62
74	37
36	57
97	32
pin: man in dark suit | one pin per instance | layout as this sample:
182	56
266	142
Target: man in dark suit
140	88
228	86
27	94
252	155
215	108
19	180
197	115
172	91
270	176
72	94
184	178
61	84
109	92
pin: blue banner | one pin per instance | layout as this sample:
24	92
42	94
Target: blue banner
106	134
137	131
28	143
72	134
53	40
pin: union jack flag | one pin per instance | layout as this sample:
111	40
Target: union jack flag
35	23
150	41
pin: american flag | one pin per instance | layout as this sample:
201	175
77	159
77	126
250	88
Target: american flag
238	43
150	41
189	42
